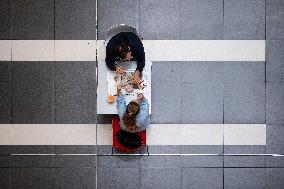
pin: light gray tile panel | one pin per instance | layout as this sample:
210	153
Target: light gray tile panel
75	20
32	92
166	102
111	13
202	103
201	19
244	19
5	101
274	61
253	178
274	19
111	178
275	103
75	92
5	19
33	19
167	178
199	178
160	19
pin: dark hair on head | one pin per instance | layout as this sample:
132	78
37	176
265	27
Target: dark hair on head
129	117
121	49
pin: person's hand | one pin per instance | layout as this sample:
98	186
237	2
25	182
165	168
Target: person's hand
136	77
119	69
139	96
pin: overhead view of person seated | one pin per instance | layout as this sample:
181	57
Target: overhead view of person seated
134	117
125	46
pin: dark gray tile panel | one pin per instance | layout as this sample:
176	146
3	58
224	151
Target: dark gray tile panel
202	103
32	178
5	101
75	20
75	92
274	178
166	71
74	178
199	178
5	71
5	19
32	92
244	161
160	19
253	178
274	19
111	178
111	13
244	19
201	19
33	19
166	104
167	178
244	92
274	61
5	178
275	103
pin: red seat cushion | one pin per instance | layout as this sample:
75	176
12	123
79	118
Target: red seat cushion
116	127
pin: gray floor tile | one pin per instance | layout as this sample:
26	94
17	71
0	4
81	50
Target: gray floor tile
5	71
32	178
74	178
104	149
74	161
274	178
275	103
111	13
75	92
5	100
32	161
244	19
244	96
252	178
202	103
32	149
75	149
244	161
5	178
5	149
274	19
201	161
167	178
199	178
160	161
75	19
202	149
32	92
198	72
166	102
274	61
275	161
5	19
119	161
5	159
160	19
164	149
201	19
166	71
33	19
111	178
275	139
104	118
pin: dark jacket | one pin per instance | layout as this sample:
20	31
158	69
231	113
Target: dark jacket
135	45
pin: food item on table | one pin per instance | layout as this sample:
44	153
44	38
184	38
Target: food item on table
129	88
111	98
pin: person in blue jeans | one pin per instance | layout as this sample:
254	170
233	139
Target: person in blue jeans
134	117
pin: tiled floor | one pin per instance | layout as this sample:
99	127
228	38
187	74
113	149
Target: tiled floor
183	92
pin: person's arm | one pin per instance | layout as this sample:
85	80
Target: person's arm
143	118
110	59
121	105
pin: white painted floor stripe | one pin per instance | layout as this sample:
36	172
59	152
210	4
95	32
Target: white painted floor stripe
157	134
155	50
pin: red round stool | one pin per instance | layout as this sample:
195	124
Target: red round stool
116	127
